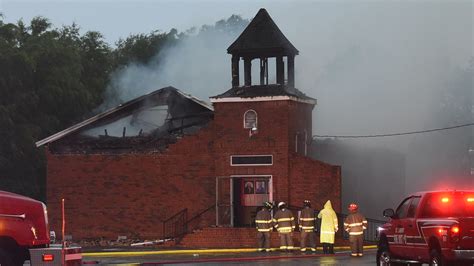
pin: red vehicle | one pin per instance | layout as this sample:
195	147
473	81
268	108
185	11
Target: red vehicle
435	227
24	232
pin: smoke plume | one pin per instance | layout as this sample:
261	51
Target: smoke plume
375	67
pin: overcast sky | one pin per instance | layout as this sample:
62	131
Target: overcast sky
119	18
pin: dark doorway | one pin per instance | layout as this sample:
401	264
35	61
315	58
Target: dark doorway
249	193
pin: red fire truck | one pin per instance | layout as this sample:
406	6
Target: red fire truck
435	227
24	234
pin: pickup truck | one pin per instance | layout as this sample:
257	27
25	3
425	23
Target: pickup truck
435	227
24	234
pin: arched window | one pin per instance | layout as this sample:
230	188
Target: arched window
250	119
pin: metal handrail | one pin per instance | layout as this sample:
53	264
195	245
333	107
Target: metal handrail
177	223
177	214
201	213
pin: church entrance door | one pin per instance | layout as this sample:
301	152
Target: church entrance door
249	193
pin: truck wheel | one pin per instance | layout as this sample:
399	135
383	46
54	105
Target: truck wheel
5	259
384	258
19	259
436	259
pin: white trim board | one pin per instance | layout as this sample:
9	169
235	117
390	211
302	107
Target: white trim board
262	99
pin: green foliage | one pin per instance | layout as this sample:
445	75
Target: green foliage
51	79
141	48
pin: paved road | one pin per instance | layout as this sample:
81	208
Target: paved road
274	258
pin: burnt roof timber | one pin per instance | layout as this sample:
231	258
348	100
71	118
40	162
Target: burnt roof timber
190	116
122	108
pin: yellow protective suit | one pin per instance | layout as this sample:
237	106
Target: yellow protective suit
328	223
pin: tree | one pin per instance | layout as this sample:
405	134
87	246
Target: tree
49	79
141	48
52	78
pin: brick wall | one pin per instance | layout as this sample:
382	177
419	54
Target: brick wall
272	138
316	181
111	195
131	194
300	126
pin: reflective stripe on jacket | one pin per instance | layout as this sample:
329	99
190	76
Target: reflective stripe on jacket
284	221
355	223
328	223
307	219
264	221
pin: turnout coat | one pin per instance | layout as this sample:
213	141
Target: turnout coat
284	221
355	224
264	221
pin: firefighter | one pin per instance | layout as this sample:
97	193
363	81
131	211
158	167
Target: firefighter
307	224
329	227
355	224
285	224
264	223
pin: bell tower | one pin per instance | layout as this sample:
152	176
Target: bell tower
256	106
262	130
261	40
253	108
263	126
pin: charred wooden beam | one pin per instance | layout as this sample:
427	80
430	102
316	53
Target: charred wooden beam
203	114
183	126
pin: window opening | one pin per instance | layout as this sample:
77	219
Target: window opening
250	119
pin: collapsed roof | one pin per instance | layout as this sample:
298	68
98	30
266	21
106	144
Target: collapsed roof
149	122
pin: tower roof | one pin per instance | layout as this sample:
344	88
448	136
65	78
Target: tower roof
263	37
259	92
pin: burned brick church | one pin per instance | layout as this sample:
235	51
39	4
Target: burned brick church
167	163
